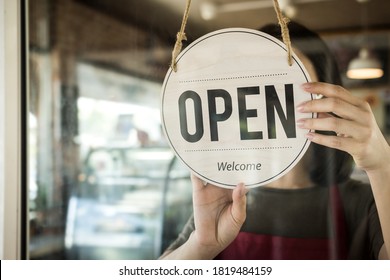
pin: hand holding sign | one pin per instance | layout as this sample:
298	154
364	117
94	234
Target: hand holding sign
229	111
218	214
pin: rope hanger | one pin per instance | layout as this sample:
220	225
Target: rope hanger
283	21
181	36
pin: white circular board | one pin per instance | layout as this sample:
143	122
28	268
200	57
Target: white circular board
229	112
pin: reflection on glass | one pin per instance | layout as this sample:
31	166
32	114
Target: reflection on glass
103	184
117	212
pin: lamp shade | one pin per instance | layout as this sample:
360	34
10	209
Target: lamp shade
364	66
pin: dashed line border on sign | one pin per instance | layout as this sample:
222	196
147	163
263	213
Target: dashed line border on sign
232	78
237	149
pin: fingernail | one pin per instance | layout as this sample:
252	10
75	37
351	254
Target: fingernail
310	136
301	123
244	190
306	86
301	107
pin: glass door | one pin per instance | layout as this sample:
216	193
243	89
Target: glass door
103	183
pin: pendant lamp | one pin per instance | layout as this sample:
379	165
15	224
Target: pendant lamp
365	66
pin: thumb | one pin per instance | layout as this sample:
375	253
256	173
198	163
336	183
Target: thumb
238	211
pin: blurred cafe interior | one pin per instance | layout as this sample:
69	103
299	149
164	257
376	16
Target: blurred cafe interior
101	181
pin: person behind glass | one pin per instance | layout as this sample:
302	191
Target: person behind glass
316	211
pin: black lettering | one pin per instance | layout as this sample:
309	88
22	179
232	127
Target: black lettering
199	130
273	103
214	118
222	166
245	114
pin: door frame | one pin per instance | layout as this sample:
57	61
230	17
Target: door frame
13	222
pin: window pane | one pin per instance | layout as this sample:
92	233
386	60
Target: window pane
103	182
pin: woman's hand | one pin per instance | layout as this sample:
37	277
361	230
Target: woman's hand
218	213
357	131
359	135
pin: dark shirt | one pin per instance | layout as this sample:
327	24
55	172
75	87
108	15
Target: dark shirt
299	224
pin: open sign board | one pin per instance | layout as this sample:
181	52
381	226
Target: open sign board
229	112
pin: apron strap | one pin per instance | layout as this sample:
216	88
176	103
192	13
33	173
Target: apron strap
337	225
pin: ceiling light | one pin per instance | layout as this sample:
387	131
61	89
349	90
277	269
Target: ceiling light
290	11
365	66
208	10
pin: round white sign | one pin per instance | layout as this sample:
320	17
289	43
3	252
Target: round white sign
229	112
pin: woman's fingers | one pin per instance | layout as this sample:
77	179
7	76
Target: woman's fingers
353	121
336	106
346	144
338	101
236	197
219	213
239	204
197	183
340	126
330	91
340	112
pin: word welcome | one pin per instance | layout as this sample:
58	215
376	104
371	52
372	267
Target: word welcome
222	166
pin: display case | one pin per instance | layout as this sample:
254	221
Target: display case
130	204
